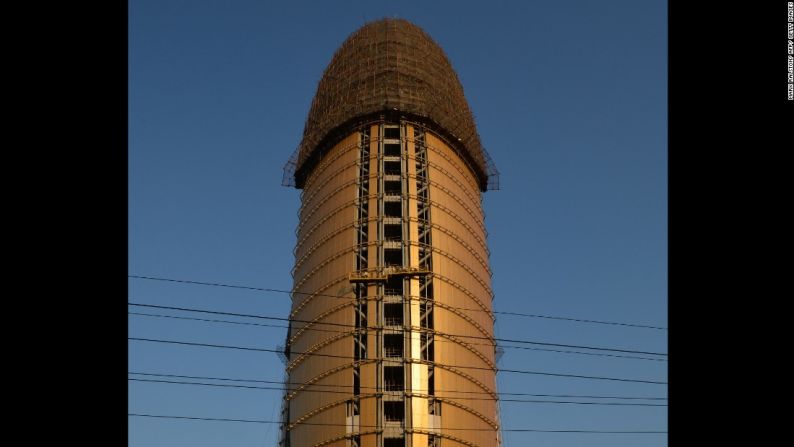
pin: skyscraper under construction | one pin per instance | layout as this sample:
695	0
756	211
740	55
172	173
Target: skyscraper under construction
391	338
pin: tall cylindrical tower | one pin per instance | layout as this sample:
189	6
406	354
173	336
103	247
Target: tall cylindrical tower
391	339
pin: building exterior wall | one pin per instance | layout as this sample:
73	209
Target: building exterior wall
392	199
323	255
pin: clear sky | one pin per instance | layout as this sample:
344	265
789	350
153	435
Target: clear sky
570	99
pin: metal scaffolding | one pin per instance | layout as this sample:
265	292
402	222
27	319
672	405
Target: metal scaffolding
389	67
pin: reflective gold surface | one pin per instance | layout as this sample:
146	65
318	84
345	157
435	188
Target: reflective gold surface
325	256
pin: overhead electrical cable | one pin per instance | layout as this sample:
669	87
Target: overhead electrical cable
180	376
290	292
516	371
257	421
225	385
508	340
244	323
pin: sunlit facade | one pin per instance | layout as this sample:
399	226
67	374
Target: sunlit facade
391	339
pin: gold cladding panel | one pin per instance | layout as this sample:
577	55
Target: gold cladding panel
329	204
326	176
308	435
307	334
454	209
331	349
462	281
442	155
454	186
346	149
334	221
324	257
453	418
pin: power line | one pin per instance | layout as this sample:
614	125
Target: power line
582	353
243	323
516	371
436	341
518	314
440	397
257	421
293	320
178	376
580	320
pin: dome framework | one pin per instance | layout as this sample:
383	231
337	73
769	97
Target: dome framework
389	69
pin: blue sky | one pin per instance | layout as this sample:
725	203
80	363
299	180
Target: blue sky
570	99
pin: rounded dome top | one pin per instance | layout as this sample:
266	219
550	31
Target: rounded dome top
389	67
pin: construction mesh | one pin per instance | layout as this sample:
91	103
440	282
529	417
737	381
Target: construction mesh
389	68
